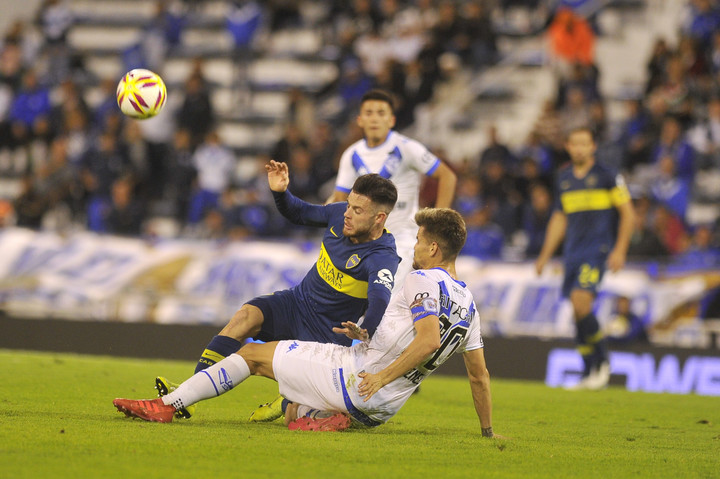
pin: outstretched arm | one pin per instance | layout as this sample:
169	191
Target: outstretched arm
294	209
426	342
480	386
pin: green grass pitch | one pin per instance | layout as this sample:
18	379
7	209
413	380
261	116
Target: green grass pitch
57	420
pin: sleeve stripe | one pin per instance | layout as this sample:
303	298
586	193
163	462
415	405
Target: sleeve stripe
427	313
434	167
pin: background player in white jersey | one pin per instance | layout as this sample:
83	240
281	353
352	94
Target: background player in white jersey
432	317
403	161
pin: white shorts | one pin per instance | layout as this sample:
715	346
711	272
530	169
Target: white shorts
312	374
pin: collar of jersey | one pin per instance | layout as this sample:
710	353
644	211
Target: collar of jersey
444	271
381	144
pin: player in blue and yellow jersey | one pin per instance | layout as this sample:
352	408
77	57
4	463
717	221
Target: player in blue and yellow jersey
594	215
353	276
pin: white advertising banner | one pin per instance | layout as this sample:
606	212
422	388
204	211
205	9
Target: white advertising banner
87	276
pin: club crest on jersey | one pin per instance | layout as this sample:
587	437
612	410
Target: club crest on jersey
352	261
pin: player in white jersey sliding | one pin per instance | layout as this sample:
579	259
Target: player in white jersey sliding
403	161
432	317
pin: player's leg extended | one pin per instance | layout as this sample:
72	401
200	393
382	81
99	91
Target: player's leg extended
244	323
211	382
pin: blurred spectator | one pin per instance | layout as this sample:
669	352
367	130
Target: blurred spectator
215	165
501	196
704	137
705	21
324	149
634	138
479	32
55	19
30	205
671	189
537	150
673	94
182	174
30	105
497	152
576	111
484	238
284	147
283	14
11	66
625	326
536	216
304	182
670	229
657	64
196	113
700	252
645	244
571	40
125	214
468	195
134	147
672	145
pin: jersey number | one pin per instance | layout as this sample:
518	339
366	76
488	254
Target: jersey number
452	335
588	275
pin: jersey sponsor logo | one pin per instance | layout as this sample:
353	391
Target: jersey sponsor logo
337	279
352	261
585	200
385	277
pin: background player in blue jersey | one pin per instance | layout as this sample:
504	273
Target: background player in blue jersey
432	317
401	159
353	275
594	215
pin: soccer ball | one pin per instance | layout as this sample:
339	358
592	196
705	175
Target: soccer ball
141	94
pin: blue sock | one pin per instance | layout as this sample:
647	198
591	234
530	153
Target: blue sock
590	342
219	348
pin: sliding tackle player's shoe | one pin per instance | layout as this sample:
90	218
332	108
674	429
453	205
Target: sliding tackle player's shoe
338	422
268	412
165	387
147	409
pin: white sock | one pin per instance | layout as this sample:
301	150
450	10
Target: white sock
211	382
303	410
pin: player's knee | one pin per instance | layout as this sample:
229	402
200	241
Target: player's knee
245	323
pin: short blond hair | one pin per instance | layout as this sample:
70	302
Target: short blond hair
444	226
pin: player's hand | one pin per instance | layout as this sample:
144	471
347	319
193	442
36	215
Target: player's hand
540	265
615	261
278	176
352	331
370	384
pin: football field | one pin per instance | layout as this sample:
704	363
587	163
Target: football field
57	420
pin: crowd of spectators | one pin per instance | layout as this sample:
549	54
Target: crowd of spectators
85	165
667	146
81	164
